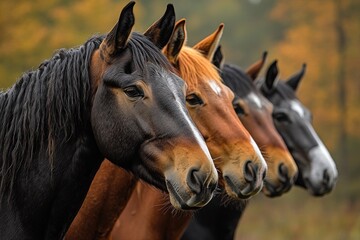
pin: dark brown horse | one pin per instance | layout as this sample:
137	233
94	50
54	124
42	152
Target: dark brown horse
255	112
210	105
103	202
115	97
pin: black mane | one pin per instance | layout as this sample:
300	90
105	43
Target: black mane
50	105
144	51
283	89
231	75
44	108
280	87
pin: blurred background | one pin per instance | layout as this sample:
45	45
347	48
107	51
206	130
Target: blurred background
323	34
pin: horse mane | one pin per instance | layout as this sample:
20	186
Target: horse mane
49	106
281	88
237	79
192	66
285	90
44	108
144	51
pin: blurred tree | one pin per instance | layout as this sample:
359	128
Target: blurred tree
32	30
340	9
309	38
293	32
325	35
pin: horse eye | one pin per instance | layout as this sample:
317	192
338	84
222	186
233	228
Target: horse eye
133	92
281	117
193	100
239	110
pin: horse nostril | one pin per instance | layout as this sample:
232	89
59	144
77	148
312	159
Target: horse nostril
264	174
195	180
212	186
250	170
326	177
283	173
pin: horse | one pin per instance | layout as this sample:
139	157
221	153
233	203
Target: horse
219	221
210	105
112	186
114	97
219	218
317	169
255	112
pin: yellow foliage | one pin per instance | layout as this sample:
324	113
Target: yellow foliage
312	38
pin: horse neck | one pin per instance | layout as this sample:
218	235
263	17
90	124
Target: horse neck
100	210
217	220
78	168
149	215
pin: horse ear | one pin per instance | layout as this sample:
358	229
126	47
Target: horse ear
218	59
117	38
253	70
176	42
208	45
160	32
295	79
271	76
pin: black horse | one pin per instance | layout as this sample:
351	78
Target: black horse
317	170
117	97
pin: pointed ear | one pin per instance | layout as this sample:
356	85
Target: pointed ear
160	32
176	42
295	79
117	38
253	70
208	45
218	59
271	77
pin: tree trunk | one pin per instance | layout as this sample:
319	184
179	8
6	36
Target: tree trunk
341	82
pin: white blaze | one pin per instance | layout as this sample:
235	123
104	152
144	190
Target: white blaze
295	105
254	99
320	159
215	87
258	152
196	132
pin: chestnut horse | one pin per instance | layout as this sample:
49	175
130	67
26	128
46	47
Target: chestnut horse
219	221
107	98
206	99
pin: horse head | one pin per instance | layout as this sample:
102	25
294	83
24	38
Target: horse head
139	117
317	170
209	102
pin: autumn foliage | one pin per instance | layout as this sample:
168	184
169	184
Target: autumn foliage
293	32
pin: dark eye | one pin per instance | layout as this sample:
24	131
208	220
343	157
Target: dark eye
281	117
239	110
193	99
133	92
